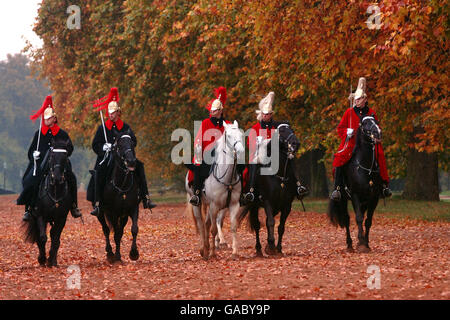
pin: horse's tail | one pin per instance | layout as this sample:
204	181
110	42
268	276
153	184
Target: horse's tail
338	213
30	230
190	212
243	214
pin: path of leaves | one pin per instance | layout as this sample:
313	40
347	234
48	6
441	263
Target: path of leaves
413	258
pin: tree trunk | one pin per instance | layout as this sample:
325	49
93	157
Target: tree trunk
312	173
422	182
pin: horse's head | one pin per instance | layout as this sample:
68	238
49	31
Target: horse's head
370	131
288	140
234	138
123	149
57	163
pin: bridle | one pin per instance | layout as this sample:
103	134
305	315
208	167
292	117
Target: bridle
289	153
232	147
122	166
372	142
50	184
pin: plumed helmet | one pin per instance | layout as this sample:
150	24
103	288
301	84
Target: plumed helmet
219	102
361	90
265	105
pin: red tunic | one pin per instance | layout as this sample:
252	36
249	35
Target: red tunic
256	131
206	137
351	120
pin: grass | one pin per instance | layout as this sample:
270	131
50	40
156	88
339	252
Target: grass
395	207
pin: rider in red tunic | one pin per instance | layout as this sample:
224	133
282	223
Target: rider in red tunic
211	129
263	129
347	131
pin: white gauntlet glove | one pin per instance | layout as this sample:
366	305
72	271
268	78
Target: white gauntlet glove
349	132
107	147
36	155
259	139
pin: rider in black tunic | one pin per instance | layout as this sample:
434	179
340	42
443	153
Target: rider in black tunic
49	133
113	126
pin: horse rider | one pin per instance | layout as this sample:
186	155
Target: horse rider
113	126
211	130
346	131
38	156
264	129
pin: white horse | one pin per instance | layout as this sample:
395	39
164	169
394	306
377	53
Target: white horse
222	191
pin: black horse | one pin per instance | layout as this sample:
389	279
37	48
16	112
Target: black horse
363	185
52	206
276	192
120	197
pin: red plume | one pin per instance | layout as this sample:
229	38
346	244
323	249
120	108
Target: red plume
102	103
218	92
222	92
48	102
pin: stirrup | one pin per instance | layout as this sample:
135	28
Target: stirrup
195	200
302	191
249	196
147	203
336	195
386	192
75	212
26	216
96	211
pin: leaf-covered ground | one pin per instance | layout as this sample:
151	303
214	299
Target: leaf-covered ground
413	258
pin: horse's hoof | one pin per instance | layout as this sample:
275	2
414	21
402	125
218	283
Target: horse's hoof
279	253
235	256
204	253
350	250
42	261
259	254
270	251
134	255
110	258
363	248
52	264
223	246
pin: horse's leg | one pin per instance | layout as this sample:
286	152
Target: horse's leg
201	229
106	231
234	212
256	225
213	225
368	222
359	214
270	224
344	208
55	235
119	225
284	214
220	238
42	226
134	253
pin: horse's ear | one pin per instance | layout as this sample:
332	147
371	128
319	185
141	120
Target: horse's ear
235	123
225	125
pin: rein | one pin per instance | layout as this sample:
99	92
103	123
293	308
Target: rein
230	184
121	188
49	177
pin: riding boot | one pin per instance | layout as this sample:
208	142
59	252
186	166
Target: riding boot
92	193
197	186
146	202
27	215
386	192
76	213
338	182
302	190
252	169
